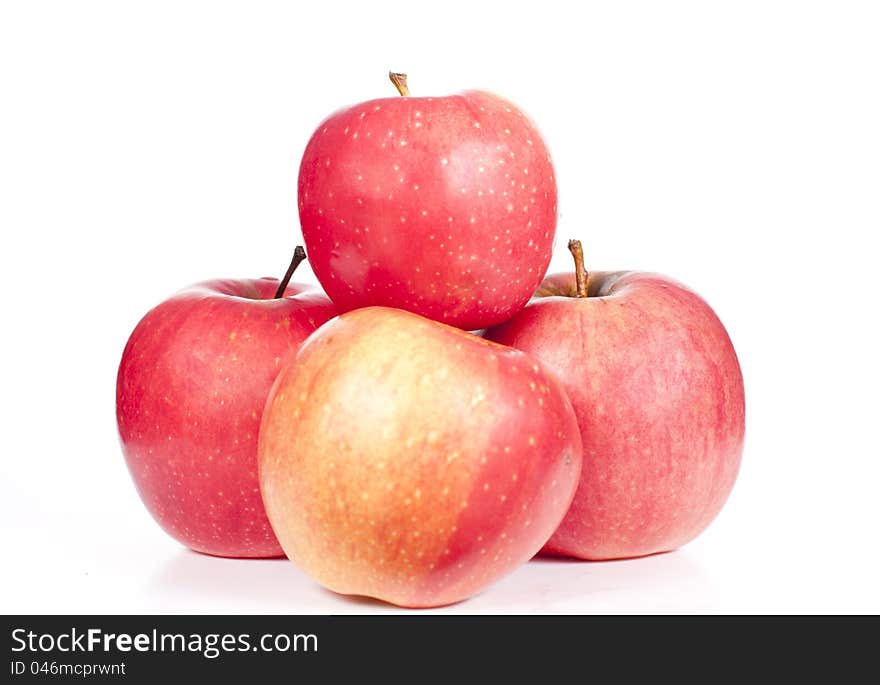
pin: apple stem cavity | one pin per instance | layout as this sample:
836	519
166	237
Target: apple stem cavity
580	272
399	81
299	256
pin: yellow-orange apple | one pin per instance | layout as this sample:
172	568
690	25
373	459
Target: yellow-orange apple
407	460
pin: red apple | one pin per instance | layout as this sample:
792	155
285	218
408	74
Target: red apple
190	393
658	393
407	460
429	204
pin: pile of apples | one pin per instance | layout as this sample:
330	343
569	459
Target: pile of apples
444	412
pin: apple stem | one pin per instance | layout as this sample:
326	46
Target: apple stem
299	256
580	271
399	81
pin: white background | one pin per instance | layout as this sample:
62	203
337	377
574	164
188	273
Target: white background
733	146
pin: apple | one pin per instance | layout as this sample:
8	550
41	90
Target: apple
443	206
411	461
658	393
190	391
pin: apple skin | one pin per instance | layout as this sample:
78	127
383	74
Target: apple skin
442	206
190	392
410	461
658	392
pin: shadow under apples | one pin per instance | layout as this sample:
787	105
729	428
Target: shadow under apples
667	582
262	585
672	581
201	577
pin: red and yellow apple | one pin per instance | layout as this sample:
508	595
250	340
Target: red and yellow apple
658	393
190	392
443	206
413	462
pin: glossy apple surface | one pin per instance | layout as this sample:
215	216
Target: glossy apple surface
190	392
443	206
413	462
658	392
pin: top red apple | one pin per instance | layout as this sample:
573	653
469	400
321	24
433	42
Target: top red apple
443	206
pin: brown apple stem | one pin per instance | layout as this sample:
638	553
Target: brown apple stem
580	271
299	256
399	81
